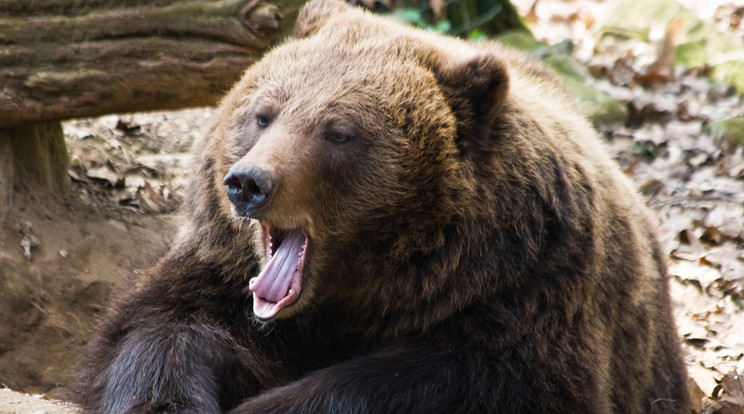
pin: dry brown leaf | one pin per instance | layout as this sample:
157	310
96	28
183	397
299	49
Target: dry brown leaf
589	20
651	187
690	248
150	200
127	127
729	394
532	14
723	406
438	8
712	235
726	259
687	236
622	72
696	395
630	169
698	160
154	201
662	69
705	275
705	262
106	175
728	219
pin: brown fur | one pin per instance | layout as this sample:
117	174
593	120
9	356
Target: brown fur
471	247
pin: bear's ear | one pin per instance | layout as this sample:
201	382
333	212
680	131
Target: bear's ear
314	15
476	87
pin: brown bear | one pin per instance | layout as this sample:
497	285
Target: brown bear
386	220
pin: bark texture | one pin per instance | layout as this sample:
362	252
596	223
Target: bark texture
59	61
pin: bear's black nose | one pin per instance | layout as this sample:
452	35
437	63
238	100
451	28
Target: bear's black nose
248	187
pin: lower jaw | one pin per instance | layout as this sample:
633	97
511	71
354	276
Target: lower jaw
265	309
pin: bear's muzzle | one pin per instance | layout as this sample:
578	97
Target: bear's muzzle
248	187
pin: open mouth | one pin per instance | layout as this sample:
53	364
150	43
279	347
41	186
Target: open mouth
280	282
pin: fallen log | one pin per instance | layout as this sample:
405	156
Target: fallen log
120	59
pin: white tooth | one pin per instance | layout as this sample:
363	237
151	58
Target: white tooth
290	292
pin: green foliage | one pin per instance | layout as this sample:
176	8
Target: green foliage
472	19
416	18
444	26
595	104
522	41
477	35
728	131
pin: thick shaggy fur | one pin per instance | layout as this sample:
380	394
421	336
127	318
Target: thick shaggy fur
471	248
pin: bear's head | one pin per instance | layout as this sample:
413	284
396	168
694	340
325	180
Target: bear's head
343	155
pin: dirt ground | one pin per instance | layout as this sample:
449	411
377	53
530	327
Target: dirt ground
12	402
48	303
63	258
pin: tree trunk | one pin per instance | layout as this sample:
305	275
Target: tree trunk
33	158
62	59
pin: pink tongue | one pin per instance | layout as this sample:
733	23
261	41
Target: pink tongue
273	282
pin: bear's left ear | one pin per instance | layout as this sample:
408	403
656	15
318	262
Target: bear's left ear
314	15
476	87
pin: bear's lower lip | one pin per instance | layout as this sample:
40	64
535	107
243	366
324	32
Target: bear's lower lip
280	282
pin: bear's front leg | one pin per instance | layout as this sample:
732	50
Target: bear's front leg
166	347
164	368
426	381
399	381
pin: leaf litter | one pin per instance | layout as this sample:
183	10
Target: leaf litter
138	162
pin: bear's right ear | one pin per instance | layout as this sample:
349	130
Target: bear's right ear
314	15
476	88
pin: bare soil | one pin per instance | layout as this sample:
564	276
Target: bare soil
12	402
62	257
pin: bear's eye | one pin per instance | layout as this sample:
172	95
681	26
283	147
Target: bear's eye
336	137
263	121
